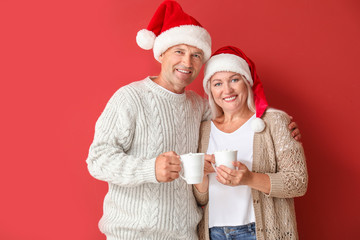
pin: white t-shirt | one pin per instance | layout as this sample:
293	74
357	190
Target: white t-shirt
231	206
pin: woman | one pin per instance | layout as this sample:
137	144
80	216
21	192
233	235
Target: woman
254	201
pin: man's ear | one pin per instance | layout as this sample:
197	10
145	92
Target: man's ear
161	57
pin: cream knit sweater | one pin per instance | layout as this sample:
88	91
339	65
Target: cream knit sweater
141	121
281	157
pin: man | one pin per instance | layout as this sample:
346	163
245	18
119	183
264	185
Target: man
144	128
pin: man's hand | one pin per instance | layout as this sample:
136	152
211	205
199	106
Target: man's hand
167	167
295	132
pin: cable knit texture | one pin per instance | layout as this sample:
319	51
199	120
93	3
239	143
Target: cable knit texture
282	158
141	121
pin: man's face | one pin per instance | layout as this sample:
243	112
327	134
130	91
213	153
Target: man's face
180	65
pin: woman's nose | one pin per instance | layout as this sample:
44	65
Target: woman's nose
228	88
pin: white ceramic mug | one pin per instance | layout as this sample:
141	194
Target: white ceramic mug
193	165
225	158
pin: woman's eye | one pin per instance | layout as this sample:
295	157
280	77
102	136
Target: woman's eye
235	80
217	84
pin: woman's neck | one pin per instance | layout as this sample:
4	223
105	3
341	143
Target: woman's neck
231	121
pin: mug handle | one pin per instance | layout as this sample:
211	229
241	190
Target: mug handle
213	165
182	167
182	176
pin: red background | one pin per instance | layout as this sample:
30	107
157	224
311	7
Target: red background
60	62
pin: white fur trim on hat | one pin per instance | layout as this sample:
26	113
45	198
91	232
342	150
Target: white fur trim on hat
145	39
257	125
225	62
186	34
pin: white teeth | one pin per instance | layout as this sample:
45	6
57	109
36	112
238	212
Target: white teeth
230	98
183	71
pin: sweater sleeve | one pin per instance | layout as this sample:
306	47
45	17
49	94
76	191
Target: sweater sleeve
202	104
207	111
108	159
291	178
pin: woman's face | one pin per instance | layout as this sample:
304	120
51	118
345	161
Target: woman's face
229	91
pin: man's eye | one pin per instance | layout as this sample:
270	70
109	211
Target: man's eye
235	80
199	56
217	84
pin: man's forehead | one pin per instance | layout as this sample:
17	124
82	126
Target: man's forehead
189	47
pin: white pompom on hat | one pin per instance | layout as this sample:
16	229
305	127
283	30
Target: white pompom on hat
145	39
232	59
171	26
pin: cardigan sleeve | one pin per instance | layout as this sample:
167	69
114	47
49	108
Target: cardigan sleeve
291	178
203	198
114	131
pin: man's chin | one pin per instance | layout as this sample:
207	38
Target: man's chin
186	81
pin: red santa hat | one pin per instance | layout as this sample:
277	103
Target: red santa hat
171	26
232	59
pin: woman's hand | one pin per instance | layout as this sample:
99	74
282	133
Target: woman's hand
243	176
204	186
232	177
208	168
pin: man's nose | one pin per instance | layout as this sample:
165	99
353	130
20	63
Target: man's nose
186	60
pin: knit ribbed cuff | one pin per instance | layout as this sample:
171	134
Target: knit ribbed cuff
149	171
276	184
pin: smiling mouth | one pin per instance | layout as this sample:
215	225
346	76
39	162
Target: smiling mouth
183	71
229	99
